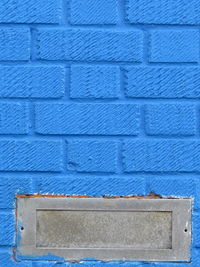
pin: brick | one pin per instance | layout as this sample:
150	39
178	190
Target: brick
30	155
93	12
87	119
174	186
14	118
162	82
14	44
10	187
7	259
7	228
89	45
89	263
161	156
91	185
31	81
95	82
170	119
196	229
92	156
30	11
163	12
174	46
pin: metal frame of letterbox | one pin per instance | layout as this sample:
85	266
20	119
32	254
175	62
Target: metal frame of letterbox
181	228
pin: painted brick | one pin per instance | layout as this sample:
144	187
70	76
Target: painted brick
175	186
14	118
162	82
7	228
163	12
89	45
95	82
170	119
33	82
30	155
94	12
196	229
7	259
92	156
91	185
90	263
87	119
30	11
14	44
161	156
174	46
10	187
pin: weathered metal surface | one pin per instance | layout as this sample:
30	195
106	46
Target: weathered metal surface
105	229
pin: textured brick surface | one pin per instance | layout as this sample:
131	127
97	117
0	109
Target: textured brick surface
7	228
88	119
95	82
174	46
161	156
91	185
92	156
30	155
98	98
162	82
30	11
30	81
14	44
14	118
6	259
94	12
89	45
10	186
178	12
170	119
172	186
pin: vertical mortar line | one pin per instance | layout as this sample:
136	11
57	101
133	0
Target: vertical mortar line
120	156
146	43
67	83
122	83
197	113
65	154
121	13
31	102
65	12
146	46
142	132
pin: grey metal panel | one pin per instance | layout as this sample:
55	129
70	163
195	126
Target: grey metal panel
104	229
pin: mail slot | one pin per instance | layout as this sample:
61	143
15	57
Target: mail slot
104	229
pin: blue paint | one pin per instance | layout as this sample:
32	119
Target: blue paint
99	98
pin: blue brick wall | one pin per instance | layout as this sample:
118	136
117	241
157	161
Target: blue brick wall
98	97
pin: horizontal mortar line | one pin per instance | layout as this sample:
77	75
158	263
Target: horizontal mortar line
161	26
122	100
140	177
62	176
125	24
125	101
27	172
104	62
76	174
68	63
171	64
113	137
58	137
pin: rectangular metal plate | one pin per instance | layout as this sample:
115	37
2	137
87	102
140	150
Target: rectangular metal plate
104	229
